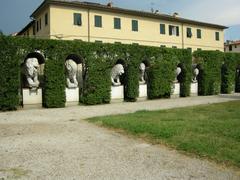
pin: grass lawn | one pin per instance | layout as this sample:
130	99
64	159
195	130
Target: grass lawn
211	131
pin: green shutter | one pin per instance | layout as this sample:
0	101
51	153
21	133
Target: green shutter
134	25
117	23
77	19
199	34
46	19
177	28
217	36
189	32
98	21
162	29
170	30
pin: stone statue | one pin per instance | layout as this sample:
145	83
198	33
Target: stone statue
142	69
195	74
31	67
116	72
177	72
72	69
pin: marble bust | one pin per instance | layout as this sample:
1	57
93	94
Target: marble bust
142	69
195	74
116	72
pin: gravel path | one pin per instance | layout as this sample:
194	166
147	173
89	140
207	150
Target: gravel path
58	144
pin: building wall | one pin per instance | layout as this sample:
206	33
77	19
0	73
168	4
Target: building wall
62	24
44	32
62	27
235	48
207	41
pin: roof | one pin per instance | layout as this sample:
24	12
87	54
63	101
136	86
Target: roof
97	6
232	43
26	27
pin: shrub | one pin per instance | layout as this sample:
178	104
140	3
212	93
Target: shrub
10	75
209	64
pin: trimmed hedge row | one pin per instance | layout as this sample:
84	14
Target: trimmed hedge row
10	75
230	73
209	64
98	60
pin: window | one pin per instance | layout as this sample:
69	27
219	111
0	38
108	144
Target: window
40	23
230	47
162	29
134	25
34	29
217	36
235	46
173	30
46	19
189	32
98	41
37	26
117	23
199	33
77	19
174	47
162	46
199	49
98	21
190	49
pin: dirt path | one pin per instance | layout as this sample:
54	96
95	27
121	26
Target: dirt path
58	144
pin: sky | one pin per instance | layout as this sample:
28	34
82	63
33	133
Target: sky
14	14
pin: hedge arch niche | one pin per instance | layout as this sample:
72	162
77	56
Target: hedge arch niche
194	84
143	78
176	83
74	77
32	78
118	77
237	79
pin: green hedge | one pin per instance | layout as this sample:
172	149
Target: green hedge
10	75
98	62
230	77
209	64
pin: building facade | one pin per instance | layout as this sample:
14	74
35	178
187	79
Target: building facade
232	46
56	19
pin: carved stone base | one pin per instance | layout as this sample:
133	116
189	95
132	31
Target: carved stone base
72	95
32	97
194	89
117	92
175	90
142	90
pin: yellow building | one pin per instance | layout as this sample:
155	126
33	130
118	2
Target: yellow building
58	19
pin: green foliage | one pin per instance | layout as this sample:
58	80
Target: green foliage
231	61
209	64
210	131
10	75
161	73
54	83
98	60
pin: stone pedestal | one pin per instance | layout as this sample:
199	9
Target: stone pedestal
117	92
143	91
32	97
194	89
72	95
176	90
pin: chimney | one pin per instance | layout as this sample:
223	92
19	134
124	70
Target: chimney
110	4
176	15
